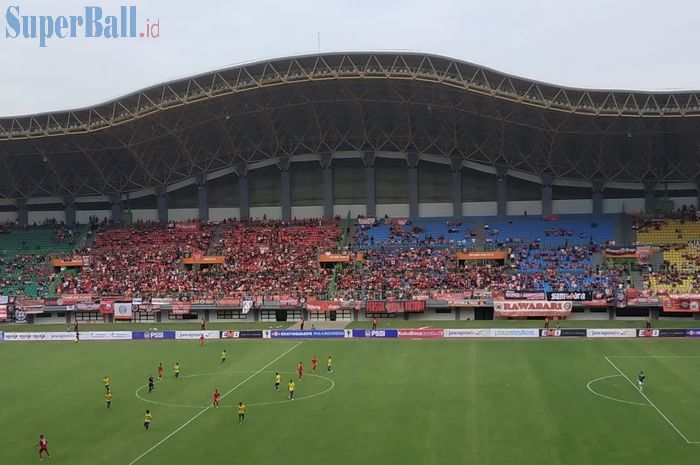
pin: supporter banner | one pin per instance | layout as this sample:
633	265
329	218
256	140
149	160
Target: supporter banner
515	332
20	316
671	304
106	335
248	334
644	255
636	298
196	334
161	301
666	332
199	259
517	308
4	299
72	299
350	304
419	333
188	226
620	252
310	334
288	301
333	258
525	295
180	308
571	296
611	332
153	335
563	333
481	256
396	221
3	312
123	311
322	305
375	333
621	299
684	295
60	263
394	306
691	332
457	299
367	221
467	303
87	306
228	302
30	304
246	306
467	332
598	301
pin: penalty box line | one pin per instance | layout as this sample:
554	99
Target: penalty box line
652	404
200	413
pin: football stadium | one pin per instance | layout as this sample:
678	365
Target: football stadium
353	257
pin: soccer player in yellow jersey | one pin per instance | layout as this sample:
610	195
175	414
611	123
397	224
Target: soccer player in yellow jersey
278	380
291	386
223	357
147	419
241	412
108	399
105	381
176	368
330	364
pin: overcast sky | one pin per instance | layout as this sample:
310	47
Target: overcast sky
642	44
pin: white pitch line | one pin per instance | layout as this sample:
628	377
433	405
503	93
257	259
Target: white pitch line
652	356
222	397
608	397
652	404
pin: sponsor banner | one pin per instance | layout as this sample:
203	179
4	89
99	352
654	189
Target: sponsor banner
375	333
180	308
467	332
611	332
690	332
246	334
395	306
196	334
563	332
231	302
153	334
123	311
481	256
570	296
61	336
515	332
310	334
322	305
106	335
666	332
418	333
26	336
525	295
366	221
517	308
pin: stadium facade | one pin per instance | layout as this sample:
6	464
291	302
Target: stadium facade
397	134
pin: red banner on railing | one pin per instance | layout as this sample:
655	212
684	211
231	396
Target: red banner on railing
180	308
228	302
322	305
673	303
106	307
188	226
395	306
518	308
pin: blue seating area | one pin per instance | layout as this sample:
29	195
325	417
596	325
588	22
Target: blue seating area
569	230
435	233
576	259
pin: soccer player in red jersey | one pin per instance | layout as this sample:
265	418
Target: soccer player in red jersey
43	447
313	364
201	340
217	398
160	370
300	370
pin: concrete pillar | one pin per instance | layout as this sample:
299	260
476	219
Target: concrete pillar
116	201
162	202
203	197
368	157
546	194
456	165
243	190
501	192
69	209
412	161
285	188
326	160
649	197
598	185
22	212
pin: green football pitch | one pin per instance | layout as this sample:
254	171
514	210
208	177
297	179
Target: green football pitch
388	401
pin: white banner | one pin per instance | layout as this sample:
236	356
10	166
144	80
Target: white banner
468	332
106	335
515	332
61	336
26	336
517	308
611	332
1	335
122	311
196	334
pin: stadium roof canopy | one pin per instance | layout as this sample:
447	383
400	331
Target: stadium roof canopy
398	102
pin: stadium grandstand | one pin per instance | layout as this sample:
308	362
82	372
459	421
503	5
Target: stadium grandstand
326	186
